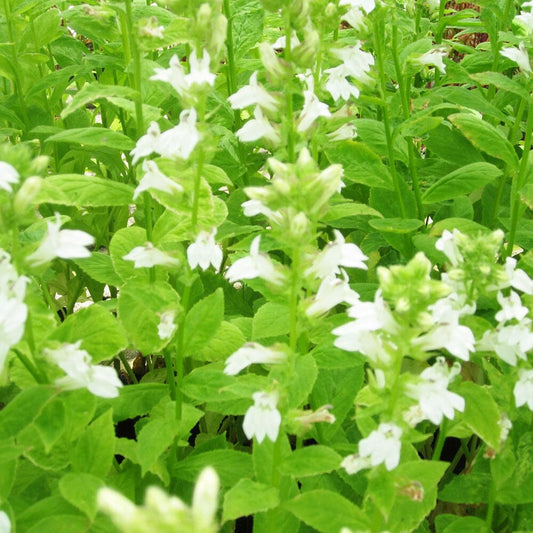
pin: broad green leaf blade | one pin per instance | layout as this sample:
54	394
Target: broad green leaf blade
94	138
327	511
81	490
248	497
310	461
202	321
50	424
137	400
99	267
83	191
501	81
140	305
481	413
462	181
395	225
361	165
486	137
271	320
100	332
95	449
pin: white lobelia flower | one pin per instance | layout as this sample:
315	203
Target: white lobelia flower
5	523
205	500
356	62
263	418
13	315
313	108
433	57
148	256
346	131
252	353
518	279
199	73
332	292
8	176
204	251
511	308
447	333
180	140
434	398
523	389
525	19
258	128
253	94
381	446
255	265
155	179
166	326
147	144
509	342
251	208
99	380
175	75
337	84
447	244
355	15
63	243
335	254
519	55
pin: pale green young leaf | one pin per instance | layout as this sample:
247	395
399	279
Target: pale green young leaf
248	497
310	461
270	320
81	490
51	422
93	137
99	267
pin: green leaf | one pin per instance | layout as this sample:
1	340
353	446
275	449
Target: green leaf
23	409
81	490
122	243
486	137
227	340
94	138
50	424
327	511
230	465
61	523
247	25
140	305
271	320
501	81
100	332
361	164
472	488
83	191
337	212
91	92
99	267
310	461
248	497
202	321
395	225
303	380
94	451
467	524
464	225
481	413
462	181
137	400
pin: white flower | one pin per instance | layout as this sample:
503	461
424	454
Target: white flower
99	380
332	291
166	326
433	57
263	419
253	94
148	256
63	243
175	75
148	143
518	279
435	400
523	390
338	85
5	523
519	55
525	19
256	265
257	128
251	208
155	179
199	70
13	315
335	254
356	61
447	333
447	244
354	16
8	176
205	500
346	131
180	140
205	251
252	353
511	307
509	342
381	446
313	107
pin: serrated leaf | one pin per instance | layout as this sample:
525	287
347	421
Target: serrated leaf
310	461
248	497
395	225
83	191
271	320
137	400
95	138
81	490
99	267
462	181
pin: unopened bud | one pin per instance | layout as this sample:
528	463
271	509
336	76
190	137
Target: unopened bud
305	53
26	194
277	68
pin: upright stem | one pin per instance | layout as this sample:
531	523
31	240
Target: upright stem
293	302
230	70
440	440
180	345
519	180
380	53
288	89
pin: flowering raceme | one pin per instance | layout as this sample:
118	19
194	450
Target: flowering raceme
263	418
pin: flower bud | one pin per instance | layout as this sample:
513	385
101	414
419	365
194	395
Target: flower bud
305	53
277	69
26	194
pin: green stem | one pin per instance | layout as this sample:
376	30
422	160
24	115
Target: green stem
171	379
491	505
440	440
230	70
379	41
30	367
148	223
288	88
293	301
197	183
127	367
519	180
134	50
180	344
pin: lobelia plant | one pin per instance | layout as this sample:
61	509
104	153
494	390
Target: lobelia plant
268	257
